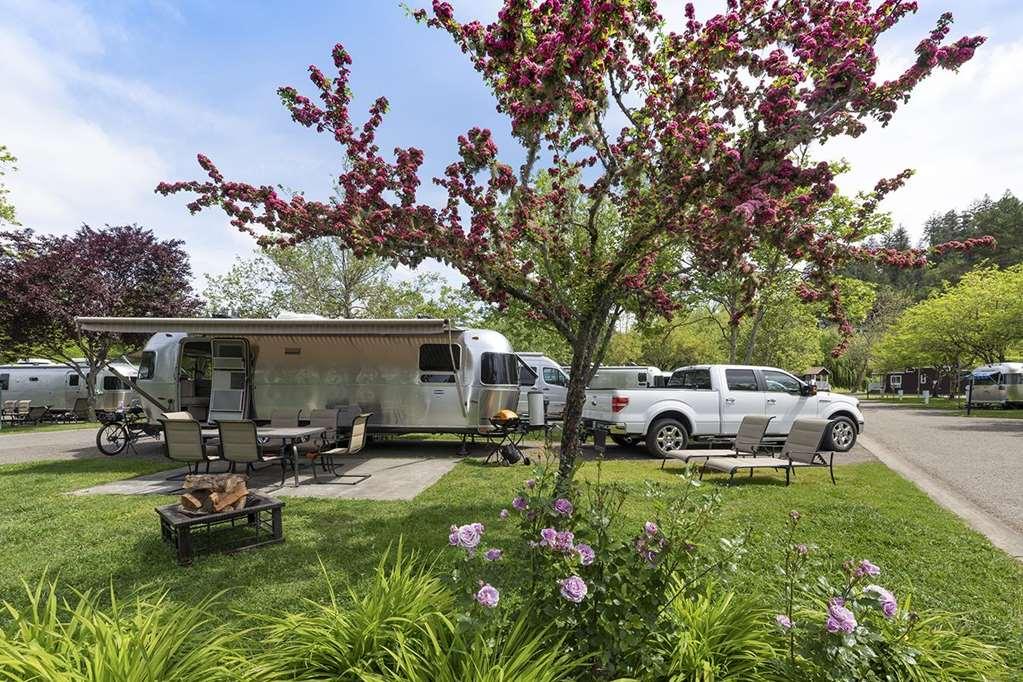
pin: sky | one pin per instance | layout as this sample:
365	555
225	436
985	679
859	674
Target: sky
100	101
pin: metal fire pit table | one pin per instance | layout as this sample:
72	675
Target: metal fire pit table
188	532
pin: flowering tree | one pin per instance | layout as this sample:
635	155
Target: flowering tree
639	145
7	215
122	271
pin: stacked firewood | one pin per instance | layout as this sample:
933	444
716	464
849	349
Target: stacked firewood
211	493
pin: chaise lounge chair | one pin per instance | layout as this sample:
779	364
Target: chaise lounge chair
802	448
748	441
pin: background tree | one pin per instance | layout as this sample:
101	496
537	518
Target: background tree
49	280
980	319
637	144
7	214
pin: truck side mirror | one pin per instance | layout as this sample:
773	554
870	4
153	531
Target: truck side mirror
808	389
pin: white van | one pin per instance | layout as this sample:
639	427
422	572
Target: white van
539	373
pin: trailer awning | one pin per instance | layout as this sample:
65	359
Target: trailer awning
215	326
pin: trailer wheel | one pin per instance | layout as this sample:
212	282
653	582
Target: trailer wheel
626	441
666	434
841	435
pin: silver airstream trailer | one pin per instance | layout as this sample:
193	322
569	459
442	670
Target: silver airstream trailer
997	384
628	376
57	386
415	376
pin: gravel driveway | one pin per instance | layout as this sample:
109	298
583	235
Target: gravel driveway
972	465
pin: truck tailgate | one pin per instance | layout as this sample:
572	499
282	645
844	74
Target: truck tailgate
598	405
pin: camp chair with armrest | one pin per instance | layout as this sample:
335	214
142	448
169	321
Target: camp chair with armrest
35	414
801	449
80	410
9	410
177	416
282	419
22	409
240	445
182	442
326	419
356	441
748	441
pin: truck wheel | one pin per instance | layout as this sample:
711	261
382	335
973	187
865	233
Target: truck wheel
841	435
666	434
626	441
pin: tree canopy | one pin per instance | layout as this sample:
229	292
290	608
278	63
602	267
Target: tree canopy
122	271
643	148
7	214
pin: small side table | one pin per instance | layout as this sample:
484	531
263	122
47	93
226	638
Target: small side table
260	525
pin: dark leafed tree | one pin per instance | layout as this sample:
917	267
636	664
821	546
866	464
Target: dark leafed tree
122	271
639	145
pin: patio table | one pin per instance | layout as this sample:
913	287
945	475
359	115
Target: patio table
291	435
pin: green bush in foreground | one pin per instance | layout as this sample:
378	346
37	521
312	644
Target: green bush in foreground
148	640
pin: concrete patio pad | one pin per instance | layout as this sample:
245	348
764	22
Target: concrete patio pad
391	478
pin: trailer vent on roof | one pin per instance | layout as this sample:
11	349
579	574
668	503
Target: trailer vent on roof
292	351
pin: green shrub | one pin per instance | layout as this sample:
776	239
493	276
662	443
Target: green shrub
720	637
405	609
147	640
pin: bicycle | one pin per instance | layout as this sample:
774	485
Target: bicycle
122	428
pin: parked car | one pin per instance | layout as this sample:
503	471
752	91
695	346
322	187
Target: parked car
709	401
539	373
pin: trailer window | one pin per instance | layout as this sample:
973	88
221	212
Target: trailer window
527	375
499	368
691	379
5	382
437	357
72	380
147	367
113	384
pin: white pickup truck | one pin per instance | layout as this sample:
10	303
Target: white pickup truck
709	401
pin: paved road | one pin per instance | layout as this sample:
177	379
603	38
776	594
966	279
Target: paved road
972	465
50	445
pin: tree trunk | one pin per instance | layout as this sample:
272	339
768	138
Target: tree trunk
584	355
90	390
733	343
752	343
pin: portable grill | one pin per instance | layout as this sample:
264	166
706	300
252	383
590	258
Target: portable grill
512	430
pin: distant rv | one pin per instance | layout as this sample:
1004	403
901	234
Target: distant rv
628	376
57	386
539	373
997	384
415	376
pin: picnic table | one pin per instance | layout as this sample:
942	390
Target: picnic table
290	435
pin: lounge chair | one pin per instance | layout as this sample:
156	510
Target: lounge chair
182	440
748	441
802	448
240	445
356	442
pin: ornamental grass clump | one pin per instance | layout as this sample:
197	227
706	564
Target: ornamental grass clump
82	638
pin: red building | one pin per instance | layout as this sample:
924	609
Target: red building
914	380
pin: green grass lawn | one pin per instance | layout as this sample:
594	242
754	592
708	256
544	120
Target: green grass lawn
91	542
9	430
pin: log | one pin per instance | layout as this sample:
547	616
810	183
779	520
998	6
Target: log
191	502
222	501
214	482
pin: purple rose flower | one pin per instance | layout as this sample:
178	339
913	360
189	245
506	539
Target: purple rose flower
530	483
564	542
867	568
586	554
469	535
493	554
840	619
548	536
503	514
885	599
650	527
783	621
488	596
573	588
453	536
519	503
563	506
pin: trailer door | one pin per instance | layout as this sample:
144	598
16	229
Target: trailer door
229	391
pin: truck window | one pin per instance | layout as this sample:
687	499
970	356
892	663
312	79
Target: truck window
554	377
437	357
779	382
690	379
741	380
499	368
147	366
527	375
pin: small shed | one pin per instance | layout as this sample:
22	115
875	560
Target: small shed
818	376
915	380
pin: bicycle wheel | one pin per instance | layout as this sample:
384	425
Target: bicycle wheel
112	439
